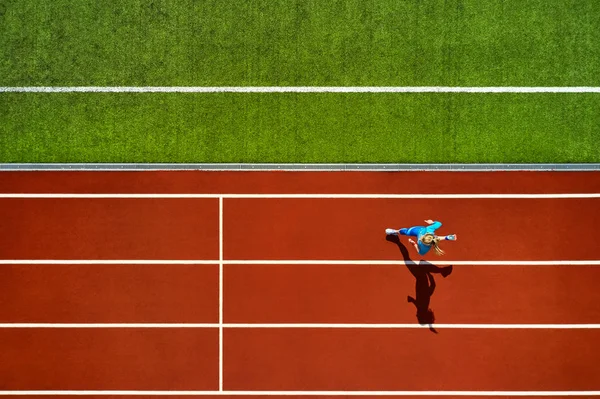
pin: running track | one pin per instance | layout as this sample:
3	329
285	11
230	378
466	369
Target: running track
123	260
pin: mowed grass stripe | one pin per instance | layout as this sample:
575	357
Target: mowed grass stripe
299	43
306	128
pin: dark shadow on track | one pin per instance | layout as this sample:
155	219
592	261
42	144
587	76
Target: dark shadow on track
424	283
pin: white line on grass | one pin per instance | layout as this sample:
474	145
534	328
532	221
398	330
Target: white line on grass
296	262
305	196
303	393
298	89
307	325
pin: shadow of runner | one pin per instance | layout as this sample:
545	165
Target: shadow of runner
424	283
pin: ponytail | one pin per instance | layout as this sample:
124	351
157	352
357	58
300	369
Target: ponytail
436	247
434	241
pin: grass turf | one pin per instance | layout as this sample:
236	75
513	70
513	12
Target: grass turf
299	42
300	128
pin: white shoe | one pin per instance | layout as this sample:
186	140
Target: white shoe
391	231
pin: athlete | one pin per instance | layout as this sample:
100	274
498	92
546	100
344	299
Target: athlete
425	237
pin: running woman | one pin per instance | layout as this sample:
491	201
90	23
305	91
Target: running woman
425	237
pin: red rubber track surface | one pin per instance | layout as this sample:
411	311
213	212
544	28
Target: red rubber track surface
106	359
353	229
109	228
378	294
304	359
109	293
301	182
295	229
293	294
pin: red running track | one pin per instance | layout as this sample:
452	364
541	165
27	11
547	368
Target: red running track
108	359
290	229
312	229
300	182
109	293
262	359
293	294
352	229
109	228
377	294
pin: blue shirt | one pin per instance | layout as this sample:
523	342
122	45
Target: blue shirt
423	249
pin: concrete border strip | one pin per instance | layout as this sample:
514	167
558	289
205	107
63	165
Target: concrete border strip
298	167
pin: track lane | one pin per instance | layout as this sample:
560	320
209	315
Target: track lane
378	294
109	229
310	359
299	182
353	229
109	294
109	359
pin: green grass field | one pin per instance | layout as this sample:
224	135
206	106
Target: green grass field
299	43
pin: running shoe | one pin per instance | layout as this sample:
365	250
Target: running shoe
391	231
452	237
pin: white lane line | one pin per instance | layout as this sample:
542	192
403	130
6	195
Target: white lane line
296	262
402	262
221	294
299	196
298	89
303	393
220	326
415	325
109	325
106	262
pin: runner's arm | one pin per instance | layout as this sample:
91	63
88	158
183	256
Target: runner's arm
414	244
433	226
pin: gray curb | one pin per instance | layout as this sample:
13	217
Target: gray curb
295	167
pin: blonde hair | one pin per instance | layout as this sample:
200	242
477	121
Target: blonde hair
430	239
